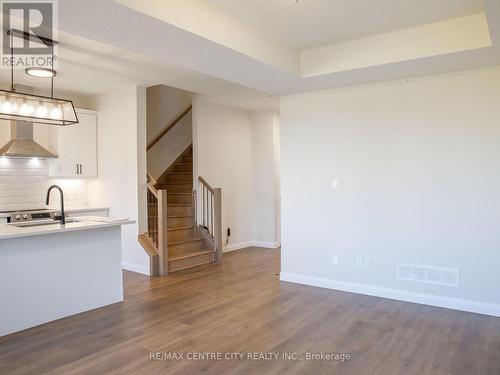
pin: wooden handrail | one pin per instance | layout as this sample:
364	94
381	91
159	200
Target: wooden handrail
170	126
152	189
207	186
151	179
152	185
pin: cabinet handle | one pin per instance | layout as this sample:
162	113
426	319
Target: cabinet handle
81	168
77	169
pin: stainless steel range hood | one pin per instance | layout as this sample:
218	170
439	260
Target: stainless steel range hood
22	144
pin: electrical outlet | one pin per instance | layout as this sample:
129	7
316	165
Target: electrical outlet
359	262
335	259
335	184
368	263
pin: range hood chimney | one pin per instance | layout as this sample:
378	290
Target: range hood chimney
22	144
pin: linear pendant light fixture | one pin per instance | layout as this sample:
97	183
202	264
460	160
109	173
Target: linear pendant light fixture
38	109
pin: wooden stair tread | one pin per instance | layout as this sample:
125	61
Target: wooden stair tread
187	240
180	216
160	184
180	193
189	266
189	255
180	228
184	173
179	204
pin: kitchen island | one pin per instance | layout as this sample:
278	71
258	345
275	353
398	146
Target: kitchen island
51	271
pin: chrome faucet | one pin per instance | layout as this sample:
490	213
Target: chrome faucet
63	215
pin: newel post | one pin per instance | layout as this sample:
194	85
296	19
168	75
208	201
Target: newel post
218	223
195	209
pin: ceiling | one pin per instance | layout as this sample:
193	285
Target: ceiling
77	71
200	47
307	24
86	68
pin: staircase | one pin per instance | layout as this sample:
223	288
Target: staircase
187	247
175	241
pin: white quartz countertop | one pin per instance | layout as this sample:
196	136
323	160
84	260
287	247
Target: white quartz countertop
8	231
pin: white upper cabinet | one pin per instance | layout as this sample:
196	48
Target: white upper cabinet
76	147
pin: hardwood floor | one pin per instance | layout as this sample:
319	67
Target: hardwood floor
240	306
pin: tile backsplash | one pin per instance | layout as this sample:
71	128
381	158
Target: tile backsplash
24	183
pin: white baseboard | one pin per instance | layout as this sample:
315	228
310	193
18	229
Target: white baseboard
139	268
242	245
396	294
236	246
267	245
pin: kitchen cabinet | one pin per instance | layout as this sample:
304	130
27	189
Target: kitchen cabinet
52	271
76	147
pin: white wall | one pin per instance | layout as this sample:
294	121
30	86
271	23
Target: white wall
277	177
264	178
142	160
168	149
418	169
5	135
164	104
121	139
222	147
236	151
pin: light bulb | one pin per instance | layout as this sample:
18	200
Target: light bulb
55	113
26	109
41	111
34	162
7	107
